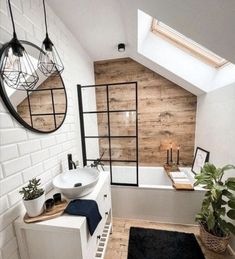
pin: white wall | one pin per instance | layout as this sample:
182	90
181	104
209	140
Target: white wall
24	154
215	124
215	127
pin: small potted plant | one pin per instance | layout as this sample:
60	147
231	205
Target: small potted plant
33	198
218	207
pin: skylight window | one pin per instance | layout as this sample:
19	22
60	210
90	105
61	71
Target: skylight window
188	45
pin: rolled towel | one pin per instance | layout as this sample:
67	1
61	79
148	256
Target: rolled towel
86	208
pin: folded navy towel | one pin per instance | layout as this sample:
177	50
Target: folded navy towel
86	208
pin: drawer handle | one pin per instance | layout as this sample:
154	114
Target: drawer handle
98	237
105	195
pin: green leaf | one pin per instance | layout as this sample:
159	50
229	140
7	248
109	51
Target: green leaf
221	211
31	191
206	203
211	221
228	194
230	182
230	185
227	167
231	227
200	216
231	214
231	204
223	202
209	169
223	225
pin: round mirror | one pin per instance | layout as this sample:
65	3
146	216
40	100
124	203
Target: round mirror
42	109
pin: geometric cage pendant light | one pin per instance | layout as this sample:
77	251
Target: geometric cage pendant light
16	68
49	62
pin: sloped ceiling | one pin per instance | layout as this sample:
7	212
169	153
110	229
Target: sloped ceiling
101	25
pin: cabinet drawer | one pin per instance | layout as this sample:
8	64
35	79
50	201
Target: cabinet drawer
104	199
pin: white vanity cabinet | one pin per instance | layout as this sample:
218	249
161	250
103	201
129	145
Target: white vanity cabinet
67	236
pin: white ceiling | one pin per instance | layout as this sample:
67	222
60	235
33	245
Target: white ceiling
101	25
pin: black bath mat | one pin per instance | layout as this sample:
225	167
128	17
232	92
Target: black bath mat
159	244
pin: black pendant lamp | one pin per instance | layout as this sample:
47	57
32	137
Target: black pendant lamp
49	62
16	68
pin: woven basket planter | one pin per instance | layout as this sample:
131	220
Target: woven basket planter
214	243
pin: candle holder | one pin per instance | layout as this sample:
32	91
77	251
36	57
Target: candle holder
169	156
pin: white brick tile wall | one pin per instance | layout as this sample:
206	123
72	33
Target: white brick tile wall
48	142
15	255
67	146
10	248
5	121
46	177
2	106
8	136
32	172
25	154
55	150
15	165
14	196
18	4
4	35
6	235
1	173
10	215
3	204
5	20
50	163
10	183
61	138
39	156
22	21
3	7
8	152
29	147
55	170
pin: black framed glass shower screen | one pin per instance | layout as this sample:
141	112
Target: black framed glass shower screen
109	126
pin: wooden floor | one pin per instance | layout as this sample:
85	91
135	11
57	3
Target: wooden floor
118	241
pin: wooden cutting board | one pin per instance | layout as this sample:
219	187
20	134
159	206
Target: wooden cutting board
55	212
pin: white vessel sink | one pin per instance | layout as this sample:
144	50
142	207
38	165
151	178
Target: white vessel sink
65	182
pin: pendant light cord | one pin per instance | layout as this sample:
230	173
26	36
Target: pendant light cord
12	20
45	15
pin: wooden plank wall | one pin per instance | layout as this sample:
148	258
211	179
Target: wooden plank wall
167	113
41	102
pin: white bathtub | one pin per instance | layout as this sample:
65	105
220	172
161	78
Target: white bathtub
155	198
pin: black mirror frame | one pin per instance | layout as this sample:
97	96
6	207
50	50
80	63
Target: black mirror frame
8	103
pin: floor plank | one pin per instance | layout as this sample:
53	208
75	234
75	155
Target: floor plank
118	241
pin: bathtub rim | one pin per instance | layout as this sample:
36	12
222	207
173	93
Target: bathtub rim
163	187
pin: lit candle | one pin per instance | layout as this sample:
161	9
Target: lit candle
178	155
167	157
171	160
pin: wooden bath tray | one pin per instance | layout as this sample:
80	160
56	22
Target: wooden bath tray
178	186
183	186
55	212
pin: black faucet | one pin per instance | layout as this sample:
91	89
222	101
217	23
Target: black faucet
71	164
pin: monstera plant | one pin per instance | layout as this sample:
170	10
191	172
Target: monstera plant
218	206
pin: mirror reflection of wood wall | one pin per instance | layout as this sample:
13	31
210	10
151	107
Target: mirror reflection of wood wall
43	115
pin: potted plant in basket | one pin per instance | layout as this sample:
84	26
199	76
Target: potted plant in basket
218	205
33	197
